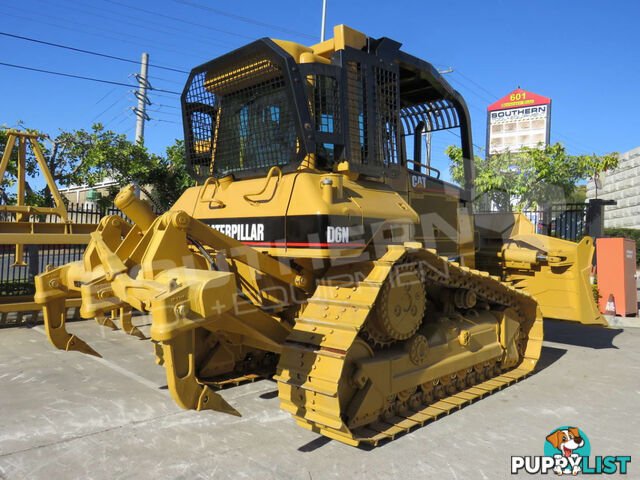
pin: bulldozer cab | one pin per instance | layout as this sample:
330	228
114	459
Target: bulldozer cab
350	104
350	99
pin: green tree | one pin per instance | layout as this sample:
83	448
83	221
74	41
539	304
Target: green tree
579	195
82	157
169	178
534	177
94	156
100	154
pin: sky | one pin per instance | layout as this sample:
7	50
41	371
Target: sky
583	55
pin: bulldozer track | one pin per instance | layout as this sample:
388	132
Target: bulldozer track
391	427
315	354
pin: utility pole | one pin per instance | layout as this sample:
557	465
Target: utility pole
141	95
324	17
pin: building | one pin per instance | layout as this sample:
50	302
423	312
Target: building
86	197
623	186
84	194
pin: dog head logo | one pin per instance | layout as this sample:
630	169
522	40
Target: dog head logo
566	440
569	444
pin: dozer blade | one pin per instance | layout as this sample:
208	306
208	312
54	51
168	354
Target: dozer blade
554	271
564	292
54	324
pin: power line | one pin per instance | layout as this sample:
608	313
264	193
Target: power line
109	107
573	142
164	121
164	112
121	38
80	77
458	135
167	80
243	19
98	54
126	117
480	95
119	17
171	113
105	96
124	110
164	96
477	85
174	19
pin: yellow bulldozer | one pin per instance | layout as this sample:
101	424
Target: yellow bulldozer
315	251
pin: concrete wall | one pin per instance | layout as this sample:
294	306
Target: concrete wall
623	186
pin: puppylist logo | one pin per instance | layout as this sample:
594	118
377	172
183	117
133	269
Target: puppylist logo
567	450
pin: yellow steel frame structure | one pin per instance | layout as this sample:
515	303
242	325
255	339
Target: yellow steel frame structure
20	208
24	232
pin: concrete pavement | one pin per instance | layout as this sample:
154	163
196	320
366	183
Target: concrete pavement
67	415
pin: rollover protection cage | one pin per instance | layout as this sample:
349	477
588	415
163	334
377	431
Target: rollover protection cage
241	115
256	108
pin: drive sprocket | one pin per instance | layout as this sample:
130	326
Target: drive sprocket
399	308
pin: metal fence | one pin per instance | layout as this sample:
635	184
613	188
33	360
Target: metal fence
77	213
17	280
566	221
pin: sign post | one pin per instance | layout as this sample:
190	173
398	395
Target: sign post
520	119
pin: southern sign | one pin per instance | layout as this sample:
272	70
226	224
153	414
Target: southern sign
520	119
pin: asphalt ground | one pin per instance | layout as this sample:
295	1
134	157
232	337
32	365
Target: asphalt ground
65	415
